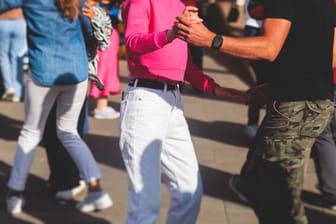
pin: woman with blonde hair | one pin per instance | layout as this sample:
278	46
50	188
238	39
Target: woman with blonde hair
58	73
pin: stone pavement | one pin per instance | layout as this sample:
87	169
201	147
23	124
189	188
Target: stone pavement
217	128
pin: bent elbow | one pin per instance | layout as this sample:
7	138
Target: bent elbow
272	54
272	58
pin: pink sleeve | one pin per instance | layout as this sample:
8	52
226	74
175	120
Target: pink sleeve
138	39
198	79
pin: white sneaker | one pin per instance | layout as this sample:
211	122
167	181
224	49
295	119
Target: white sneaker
14	204
95	201
71	194
251	130
106	113
15	99
8	95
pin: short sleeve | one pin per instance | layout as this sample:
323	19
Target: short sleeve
284	9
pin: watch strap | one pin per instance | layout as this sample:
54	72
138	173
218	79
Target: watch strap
217	42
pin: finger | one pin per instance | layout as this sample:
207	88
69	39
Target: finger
190	9
182	29
183	20
182	37
91	2
88	5
86	11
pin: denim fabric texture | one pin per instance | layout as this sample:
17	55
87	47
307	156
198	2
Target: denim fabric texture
38	102
324	155
156	145
12	49
278	158
47	36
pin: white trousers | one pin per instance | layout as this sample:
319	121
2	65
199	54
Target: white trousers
38	102
156	146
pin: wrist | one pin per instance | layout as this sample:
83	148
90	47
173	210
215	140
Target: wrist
217	42
170	35
215	90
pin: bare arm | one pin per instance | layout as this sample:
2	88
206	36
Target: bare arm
267	46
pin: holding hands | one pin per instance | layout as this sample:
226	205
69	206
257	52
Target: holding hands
190	28
259	95
191	14
231	93
256	96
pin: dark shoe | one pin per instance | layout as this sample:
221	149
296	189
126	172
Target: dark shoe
234	186
328	203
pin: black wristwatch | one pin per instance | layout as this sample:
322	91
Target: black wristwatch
217	42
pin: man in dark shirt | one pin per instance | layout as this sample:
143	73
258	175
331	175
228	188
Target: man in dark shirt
298	38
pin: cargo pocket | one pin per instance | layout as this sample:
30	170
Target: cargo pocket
318	116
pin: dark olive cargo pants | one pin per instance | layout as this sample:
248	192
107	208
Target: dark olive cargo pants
273	174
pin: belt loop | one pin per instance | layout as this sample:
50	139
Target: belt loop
165	87
135	82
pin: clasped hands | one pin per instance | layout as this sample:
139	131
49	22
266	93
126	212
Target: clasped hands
257	96
189	27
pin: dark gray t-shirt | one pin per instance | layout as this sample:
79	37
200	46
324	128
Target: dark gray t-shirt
303	69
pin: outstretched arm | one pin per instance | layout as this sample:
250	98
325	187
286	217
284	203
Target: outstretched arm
267	46
207	84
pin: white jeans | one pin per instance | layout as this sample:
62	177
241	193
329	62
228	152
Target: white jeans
156	145
38	102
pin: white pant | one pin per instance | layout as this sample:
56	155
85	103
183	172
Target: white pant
156	145
38	102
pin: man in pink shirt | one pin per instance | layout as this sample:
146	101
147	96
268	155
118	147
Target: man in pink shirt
155	141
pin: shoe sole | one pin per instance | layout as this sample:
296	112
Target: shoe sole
104	206
103	117
96	207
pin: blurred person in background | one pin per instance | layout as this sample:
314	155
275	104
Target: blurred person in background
58	65
108	67
13	47
64	180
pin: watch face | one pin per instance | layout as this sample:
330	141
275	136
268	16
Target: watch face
217	42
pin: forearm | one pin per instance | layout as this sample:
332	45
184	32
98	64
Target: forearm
144	43
198	79
252	48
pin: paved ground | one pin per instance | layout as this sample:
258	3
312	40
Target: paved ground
217	128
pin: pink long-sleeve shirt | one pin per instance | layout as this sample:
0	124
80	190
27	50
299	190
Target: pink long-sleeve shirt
149	53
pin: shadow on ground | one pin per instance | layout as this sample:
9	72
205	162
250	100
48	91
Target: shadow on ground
40	205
